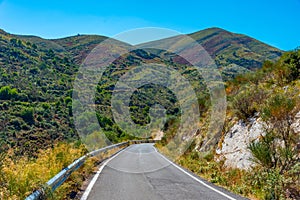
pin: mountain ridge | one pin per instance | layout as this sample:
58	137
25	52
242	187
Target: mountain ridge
39	74
233	53
214	40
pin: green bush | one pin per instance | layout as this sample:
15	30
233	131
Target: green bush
262	151
278	107
68	100
28	115
276	152
7	92
247	102
46	106
291	63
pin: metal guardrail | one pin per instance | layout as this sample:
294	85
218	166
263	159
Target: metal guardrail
62	176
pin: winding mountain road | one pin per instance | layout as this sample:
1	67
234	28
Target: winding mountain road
139	172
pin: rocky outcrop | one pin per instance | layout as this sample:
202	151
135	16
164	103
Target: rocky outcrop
234	149
296	124
235	145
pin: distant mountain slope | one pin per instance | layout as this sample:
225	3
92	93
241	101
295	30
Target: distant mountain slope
233	53
79	46
235	48
42	43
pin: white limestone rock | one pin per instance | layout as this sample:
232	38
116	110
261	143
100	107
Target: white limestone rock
296	124
235	145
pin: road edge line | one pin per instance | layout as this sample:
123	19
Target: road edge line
95	178
196	179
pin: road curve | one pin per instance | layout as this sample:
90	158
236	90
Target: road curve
141	173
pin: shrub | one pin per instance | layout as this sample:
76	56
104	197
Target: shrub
28	115
247	102
262	152
287	69
291	61
17	123
34	70
8	93
278	107
68	100
46	106
276	151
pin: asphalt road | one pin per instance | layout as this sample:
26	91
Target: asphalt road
141	173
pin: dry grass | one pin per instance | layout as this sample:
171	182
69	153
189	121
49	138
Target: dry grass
21	176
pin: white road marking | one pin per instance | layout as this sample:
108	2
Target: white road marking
196	179
93	181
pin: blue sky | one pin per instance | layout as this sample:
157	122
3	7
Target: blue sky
275	22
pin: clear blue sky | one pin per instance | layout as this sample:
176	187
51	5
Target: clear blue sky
276	22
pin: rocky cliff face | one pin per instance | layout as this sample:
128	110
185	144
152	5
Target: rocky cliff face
235	145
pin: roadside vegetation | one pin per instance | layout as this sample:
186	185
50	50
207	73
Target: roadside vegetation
273	93
21	176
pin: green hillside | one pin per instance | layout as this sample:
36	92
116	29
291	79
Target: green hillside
36	86
37	76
